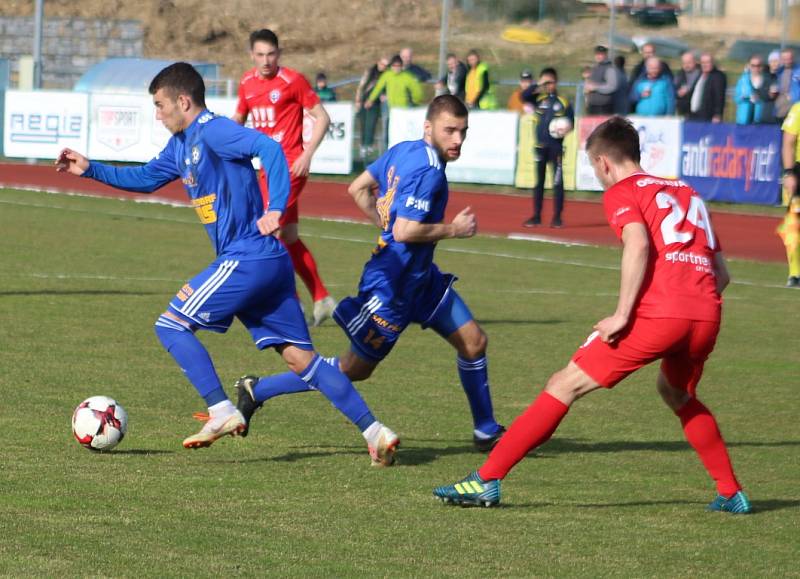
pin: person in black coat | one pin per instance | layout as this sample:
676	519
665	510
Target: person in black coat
648	51
707	103
684	82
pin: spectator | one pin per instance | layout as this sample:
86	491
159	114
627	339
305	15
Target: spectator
324	92
407	56
454	80
755	94
621	104
708	97
788	85
515	102
601	87
369	117
480	94
548	106
685	81
648	51
774	61
402	88
653	93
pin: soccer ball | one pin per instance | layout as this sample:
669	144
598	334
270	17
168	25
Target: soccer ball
99	423
559	127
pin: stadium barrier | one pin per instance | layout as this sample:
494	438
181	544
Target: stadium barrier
724	162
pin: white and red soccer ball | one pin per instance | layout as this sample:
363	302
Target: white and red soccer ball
99	423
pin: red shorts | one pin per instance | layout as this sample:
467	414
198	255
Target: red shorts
683	346
296	184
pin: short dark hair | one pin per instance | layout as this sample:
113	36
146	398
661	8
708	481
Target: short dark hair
619	61
264	35
396	60
446	103
549	71
180	78
616	138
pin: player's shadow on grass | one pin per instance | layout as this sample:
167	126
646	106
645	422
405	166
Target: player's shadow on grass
407	454
519	322
141	451
567	445
77	293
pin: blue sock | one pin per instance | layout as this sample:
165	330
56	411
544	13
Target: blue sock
338	389
286	383
474	376
275	385
192	357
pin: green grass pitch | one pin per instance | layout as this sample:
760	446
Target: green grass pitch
617	492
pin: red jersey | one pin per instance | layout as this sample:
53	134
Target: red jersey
680	281
276	105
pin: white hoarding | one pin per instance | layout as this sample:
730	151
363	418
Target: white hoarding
335	153
487	156
659	141
38	124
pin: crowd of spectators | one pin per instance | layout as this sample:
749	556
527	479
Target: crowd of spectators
764	92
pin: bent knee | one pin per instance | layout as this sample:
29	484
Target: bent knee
474	346
570	383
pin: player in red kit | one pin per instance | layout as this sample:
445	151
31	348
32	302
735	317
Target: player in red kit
672	277
275	97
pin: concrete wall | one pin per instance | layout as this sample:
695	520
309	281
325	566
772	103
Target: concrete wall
69	45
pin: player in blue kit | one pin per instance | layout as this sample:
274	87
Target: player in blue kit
405	194
252	277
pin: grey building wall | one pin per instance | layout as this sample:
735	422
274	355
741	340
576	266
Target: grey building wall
69	45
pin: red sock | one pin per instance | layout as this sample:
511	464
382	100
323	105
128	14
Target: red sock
532	428
703	434
306	268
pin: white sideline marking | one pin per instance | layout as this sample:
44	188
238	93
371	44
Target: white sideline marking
341	238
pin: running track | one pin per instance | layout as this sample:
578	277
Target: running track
743	236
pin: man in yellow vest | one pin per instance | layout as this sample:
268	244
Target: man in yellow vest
479	90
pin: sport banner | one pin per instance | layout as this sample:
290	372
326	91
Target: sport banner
525	177
38	124
659	141
733	163
335	153
487	156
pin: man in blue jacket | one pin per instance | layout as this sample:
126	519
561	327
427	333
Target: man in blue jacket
653	94
252	277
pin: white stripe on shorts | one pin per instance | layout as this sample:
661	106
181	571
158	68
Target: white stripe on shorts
366	311
205	291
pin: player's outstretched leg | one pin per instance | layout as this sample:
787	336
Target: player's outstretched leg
339	390
470	491
224	419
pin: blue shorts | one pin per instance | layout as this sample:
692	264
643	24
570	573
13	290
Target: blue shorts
373	327
261	293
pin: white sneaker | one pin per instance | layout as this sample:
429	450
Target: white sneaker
323	310
216	428
382	453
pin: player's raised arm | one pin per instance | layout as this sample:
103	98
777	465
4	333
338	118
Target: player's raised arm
70	161
635	251
362	190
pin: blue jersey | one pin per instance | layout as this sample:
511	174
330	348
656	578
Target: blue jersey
412	185
212	157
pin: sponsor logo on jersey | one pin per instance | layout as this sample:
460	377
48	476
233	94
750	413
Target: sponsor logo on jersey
195	154
205	316
204	118
418	204
274	96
